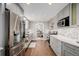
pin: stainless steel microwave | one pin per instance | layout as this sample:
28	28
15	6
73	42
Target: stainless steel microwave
63	22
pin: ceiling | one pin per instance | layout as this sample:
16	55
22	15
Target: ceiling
41	11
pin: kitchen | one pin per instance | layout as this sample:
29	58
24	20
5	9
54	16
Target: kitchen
39	29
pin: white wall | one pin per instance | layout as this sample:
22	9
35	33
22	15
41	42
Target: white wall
62	14
15	8
53	22
2	27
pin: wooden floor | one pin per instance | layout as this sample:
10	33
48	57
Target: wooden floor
42	49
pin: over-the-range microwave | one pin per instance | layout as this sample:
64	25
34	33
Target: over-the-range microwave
63	22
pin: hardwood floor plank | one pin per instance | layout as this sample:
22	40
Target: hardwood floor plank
42	49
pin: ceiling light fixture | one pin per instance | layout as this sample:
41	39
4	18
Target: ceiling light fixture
50	3
28	3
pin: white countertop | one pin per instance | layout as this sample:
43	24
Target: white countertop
67	40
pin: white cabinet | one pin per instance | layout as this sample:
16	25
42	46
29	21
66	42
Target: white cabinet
70	50
64	12
63	48
55	45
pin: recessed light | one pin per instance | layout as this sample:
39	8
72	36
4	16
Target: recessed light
28	3
50	3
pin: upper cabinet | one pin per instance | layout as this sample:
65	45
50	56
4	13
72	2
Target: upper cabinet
60	15
64	12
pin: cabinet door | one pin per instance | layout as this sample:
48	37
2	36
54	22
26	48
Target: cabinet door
56	45
66	53
73	50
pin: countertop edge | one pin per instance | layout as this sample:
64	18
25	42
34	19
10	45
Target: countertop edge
66	40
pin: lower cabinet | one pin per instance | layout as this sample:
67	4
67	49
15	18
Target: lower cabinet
70	50
55	45
67	53
63	48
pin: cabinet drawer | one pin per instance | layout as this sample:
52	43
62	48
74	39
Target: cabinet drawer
71	46
72	51
66	53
